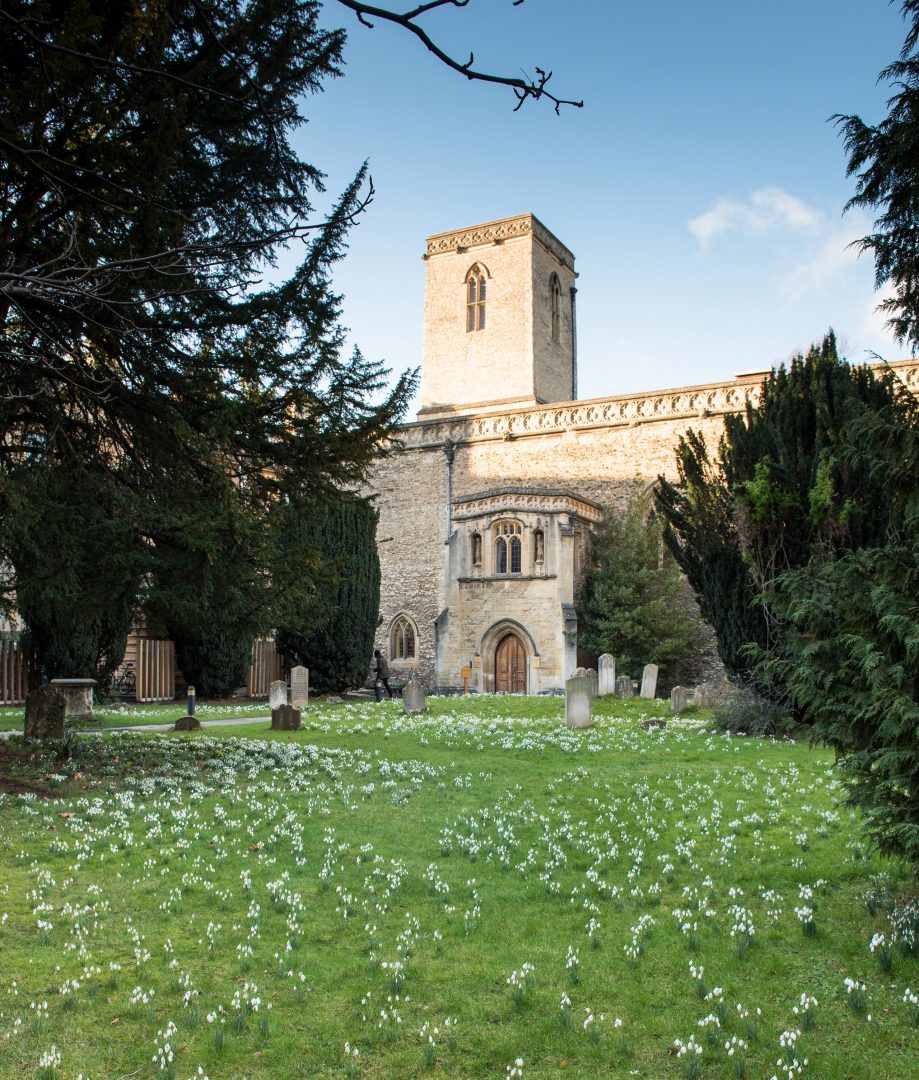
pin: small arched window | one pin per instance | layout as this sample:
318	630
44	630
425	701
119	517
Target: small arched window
475	299
556	302
508	547
402	639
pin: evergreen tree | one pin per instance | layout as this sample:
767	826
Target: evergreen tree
332	633
631	603
778	493
849	647
884	158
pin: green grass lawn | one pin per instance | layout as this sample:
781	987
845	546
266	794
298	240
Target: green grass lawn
447	894
116	715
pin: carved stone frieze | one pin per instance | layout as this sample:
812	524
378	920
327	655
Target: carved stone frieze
520	500
666	405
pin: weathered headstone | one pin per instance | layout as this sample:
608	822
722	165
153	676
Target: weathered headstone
679	698
594	684
45	712
299	687
649	681
78	695
277	694
285	718
413	697
606	675
577	702
708	694
187	723
624	686
579	671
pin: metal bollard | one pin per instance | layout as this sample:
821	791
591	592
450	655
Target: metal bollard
191	701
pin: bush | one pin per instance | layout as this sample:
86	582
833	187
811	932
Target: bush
744	711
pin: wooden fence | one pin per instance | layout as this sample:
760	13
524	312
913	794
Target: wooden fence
264	667
16	664
156	670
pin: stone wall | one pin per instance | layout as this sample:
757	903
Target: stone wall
594	448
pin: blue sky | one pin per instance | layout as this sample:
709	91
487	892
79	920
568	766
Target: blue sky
701	186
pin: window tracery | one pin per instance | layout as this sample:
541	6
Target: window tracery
475	299
402	639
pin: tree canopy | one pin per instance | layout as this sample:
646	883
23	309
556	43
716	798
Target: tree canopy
883	158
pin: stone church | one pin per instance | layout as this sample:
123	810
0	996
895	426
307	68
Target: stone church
487	505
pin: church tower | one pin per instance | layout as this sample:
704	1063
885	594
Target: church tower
499	318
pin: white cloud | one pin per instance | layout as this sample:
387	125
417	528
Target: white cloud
768	209
827	259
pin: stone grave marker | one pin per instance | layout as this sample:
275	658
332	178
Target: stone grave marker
606	675
624	686
299	686
78	694
577	702
413	699
594	684
285	718
680	697
649	681
45	712
277	694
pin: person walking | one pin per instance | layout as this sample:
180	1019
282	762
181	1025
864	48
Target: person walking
382	675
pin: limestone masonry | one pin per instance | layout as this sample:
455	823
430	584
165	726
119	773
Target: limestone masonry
486	507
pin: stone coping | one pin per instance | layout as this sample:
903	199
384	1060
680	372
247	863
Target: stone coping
525	500
681	403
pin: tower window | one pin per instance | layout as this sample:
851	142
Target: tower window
556	302
475	299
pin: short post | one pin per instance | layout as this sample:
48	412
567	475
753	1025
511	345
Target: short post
466	673
191	701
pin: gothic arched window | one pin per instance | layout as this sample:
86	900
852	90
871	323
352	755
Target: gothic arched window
508	547
556	302
475	299
402	639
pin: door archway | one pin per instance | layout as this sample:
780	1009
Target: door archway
510	665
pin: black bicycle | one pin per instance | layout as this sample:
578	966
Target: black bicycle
124	682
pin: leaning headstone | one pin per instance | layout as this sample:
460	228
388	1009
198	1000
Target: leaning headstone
285	718
277	694
577	702
679	698
299	687
78	694
413	697
187	723
594	684
45	712
649	681
624	686
606	675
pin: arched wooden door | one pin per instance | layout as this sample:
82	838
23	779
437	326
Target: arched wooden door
511	665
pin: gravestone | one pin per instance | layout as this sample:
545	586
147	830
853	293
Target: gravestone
708	694
679	698
45	712
277	694
579	671
594	684
649	681
299	687
577	702
624	686
78	695
285	718
413	697
606	675
187	723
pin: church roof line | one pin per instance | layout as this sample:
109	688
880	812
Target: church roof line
496	232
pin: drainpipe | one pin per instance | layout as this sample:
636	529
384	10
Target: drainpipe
449	453
574	346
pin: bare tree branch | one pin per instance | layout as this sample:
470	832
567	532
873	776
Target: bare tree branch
527	87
